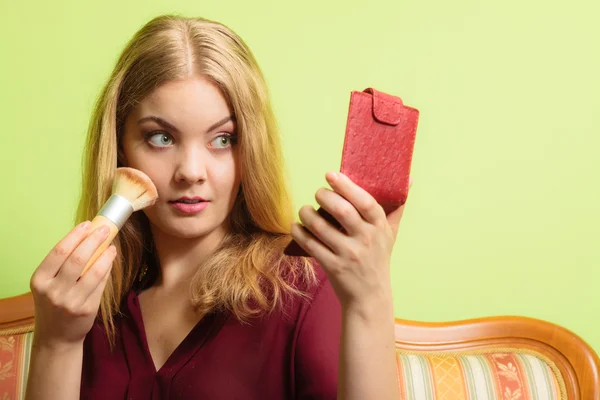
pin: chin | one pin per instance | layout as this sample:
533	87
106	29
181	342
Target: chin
186	230
191	228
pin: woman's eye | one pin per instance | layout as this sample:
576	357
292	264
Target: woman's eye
160	139
222	142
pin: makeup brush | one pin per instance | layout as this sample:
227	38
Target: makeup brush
132	190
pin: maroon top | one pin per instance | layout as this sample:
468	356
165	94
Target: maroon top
289	354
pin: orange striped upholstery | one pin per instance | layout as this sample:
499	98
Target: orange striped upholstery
14	364
505	374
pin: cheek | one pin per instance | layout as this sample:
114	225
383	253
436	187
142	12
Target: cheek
227	175
154	167
156	172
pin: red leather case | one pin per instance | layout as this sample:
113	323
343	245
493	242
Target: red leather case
378	149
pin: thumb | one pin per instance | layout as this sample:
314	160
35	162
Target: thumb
394	219
395	216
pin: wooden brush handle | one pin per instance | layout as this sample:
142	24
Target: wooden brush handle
97	223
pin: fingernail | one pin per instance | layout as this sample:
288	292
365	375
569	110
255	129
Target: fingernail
84	226
333	176
103	230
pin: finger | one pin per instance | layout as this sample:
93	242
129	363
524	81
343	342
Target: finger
395	216
312	245
394	219
92	305
88	284
51	264
364	203
71	269
321	229
341	209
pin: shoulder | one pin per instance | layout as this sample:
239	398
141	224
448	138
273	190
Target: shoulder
312	291
319	292
321	302
97	337
316	341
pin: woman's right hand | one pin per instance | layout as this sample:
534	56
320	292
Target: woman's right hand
65	304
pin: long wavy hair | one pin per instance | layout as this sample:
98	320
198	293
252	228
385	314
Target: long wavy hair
247	275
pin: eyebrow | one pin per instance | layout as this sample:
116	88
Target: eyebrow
169	126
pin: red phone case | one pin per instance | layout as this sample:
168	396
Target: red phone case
378	149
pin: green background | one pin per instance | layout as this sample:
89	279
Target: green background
503	217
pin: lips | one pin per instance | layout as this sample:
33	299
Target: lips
189	205
188	200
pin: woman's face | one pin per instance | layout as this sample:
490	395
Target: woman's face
183	137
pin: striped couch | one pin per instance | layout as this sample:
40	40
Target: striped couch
496	358
14	362
508	374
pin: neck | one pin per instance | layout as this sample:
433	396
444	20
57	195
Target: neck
180	258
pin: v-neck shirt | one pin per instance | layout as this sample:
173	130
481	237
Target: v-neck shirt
291	353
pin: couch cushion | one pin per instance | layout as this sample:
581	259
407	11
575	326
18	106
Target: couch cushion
492	374
14	364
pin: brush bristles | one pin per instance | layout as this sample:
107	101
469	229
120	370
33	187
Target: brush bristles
136	187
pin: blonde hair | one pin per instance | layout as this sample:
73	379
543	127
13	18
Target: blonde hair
247	275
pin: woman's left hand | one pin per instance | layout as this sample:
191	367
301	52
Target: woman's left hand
357	261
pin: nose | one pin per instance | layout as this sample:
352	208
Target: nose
190	166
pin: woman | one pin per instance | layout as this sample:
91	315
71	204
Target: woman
196	299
